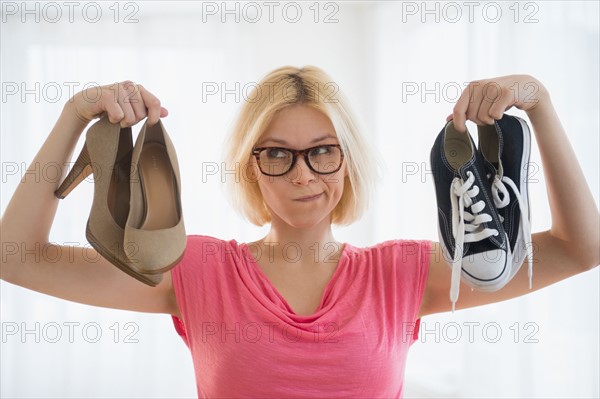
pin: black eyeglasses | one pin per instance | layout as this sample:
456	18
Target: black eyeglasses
277	161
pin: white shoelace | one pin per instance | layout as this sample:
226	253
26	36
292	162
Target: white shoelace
498	186
466	227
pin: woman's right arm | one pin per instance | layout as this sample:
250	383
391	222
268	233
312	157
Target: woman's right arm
76	274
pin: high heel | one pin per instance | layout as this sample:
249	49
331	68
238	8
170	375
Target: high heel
81	169
107	155
155	221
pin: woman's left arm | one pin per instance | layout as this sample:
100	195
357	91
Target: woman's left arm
572	244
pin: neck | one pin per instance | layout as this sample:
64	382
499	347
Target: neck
313	244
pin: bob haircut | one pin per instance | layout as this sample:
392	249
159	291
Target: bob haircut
279	89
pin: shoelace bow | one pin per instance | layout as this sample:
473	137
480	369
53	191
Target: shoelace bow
499	187
466	227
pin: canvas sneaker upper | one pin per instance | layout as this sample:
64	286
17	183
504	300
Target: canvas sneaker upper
506	147
471	233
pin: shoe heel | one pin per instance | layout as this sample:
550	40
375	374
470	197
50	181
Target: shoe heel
80	170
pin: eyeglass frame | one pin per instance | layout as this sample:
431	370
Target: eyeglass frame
256	152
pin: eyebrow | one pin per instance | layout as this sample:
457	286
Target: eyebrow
329	136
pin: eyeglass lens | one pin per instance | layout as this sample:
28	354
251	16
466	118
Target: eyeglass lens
277	161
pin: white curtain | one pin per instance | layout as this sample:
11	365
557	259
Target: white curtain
400	63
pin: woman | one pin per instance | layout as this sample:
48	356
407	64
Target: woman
297	313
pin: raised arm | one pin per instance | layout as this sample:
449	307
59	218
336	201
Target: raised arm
572	244
75	273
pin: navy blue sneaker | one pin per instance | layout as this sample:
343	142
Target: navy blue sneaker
506	148
471	234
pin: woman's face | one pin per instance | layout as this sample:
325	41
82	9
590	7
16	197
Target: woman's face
298	127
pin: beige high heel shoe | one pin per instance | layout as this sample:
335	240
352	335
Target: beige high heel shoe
155	223
107	155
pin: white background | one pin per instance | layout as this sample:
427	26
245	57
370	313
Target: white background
375	51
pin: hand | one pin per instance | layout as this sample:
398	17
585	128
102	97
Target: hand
484	101
125	103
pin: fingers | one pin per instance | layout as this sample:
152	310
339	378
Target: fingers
459	113
482	102
490	93
505	101
121	96
127	103
135	101
132	103
155	111
468	106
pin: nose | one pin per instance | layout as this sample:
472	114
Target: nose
301	173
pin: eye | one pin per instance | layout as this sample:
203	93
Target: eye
275	153
320	151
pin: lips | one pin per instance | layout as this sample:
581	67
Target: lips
309	197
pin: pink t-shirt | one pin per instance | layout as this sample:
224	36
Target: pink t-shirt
246	341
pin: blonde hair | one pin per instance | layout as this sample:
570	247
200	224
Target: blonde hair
279	89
